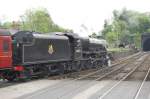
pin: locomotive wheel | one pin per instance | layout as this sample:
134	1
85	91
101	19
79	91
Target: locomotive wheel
82	64
24	76
78	66
89	65
95	65
10	76
10	79
61	70
44	72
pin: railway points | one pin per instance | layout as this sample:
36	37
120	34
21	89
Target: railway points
130	73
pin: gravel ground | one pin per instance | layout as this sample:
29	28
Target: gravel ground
15	91
45	89
93	90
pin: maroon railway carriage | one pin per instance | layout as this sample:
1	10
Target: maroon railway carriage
5	50
6	58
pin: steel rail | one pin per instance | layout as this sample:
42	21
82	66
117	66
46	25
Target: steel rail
96	79
140	88
82	77
123	59
64	84
121	80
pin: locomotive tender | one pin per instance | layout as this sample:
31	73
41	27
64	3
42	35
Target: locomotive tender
26	54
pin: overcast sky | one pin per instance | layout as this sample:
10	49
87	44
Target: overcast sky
72	13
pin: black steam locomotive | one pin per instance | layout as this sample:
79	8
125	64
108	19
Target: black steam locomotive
35	54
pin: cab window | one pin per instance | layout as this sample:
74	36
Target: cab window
5	46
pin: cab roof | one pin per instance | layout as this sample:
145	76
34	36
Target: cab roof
7	32
4	32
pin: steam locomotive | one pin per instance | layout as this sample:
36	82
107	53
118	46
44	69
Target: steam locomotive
26	54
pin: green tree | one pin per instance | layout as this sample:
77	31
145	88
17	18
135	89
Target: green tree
137	39
7	25
107	28
127	25
111	37
37	20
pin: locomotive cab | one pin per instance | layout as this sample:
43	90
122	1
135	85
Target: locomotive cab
5	49
75	45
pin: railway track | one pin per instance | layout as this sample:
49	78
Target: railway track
84	76
94	75
142	84
127	76
103	74
85	73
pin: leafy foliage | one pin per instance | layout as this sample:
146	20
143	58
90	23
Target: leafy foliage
126	27
37	20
